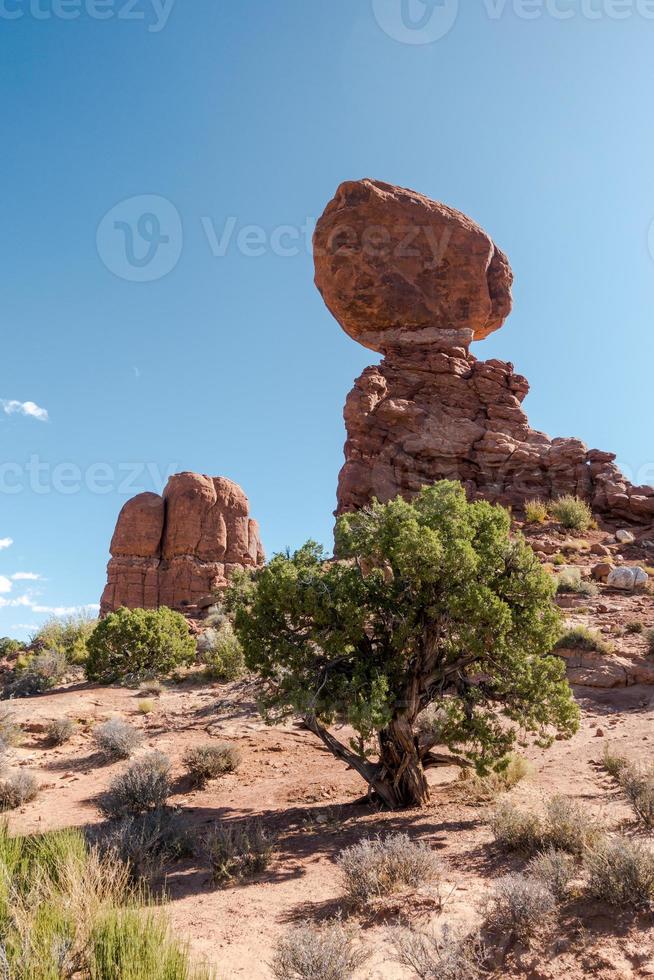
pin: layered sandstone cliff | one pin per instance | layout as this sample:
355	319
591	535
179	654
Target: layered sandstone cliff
418	282
178	549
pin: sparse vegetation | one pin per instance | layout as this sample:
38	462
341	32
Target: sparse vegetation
152	687
205	762
635	626
144	785
317	953
60	730
554	869
66	635
517	830
138	641
570	580
117	739
536	512
381	866
520	906
239	850
146	706
146	842
448	955
36	674
10	647
17	788
564	826
10	731
484	789
128	945
221	651
572	512
650	642
613	762
407	569
621	872
581	638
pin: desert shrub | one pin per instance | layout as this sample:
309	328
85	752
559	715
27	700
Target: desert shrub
239	850
223	654
581	638
569	827
116	739
144	785
425	591
17	788
474	788
571	581
205	762
380	866
520	906
517	830
152	687
554	869
67	635
650	642
129	945
10	647
635	626
146	706
638	786
10	730
621	872
536	512
38	673
134	641
612	762
572	512
449	955
60	730
145	842
312	953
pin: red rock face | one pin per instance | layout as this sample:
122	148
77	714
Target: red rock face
178	549
431	410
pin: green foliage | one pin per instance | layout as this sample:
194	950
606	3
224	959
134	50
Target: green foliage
133	641
131	946
67	635
536	512
572	512
9	647
581	638
473	788
220	650
36	674
428	597
571	580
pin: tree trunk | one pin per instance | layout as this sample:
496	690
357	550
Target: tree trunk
401	765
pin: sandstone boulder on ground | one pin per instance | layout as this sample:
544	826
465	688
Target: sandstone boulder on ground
177	549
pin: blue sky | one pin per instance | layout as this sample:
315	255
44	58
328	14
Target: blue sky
533	117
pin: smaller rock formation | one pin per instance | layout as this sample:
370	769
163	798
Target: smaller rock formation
178	549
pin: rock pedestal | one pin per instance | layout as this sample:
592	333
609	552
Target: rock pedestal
418	282
177	549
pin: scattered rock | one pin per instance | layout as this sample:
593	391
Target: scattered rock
627	578
625	537
601	571
599	549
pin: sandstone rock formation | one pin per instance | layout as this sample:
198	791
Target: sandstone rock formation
178	549
418	282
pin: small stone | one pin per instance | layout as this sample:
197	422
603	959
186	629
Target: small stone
600	549
625	537
599	733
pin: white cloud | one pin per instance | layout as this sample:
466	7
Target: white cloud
64	610
6	543
23	600
5	584
31	409
25	577
23	626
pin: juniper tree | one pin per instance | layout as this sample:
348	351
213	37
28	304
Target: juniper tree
432	630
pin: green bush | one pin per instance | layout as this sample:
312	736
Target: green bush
36	674
131	946
133	641
221	651
581	638
205	762
572	512
536	512
571	581
9	647
67	635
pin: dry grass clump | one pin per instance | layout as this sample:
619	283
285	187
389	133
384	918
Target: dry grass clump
380	866
554	869
581	638
520	906
151	687
205	762
634	627
17	788
572	512
612	762
146	707
317	953
636	783
621	872
571	581
450	955
565	826
536	511
116	739
473	788
60	730
144	785
239	850
146	842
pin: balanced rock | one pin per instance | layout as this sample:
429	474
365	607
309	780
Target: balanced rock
418	281
177	549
